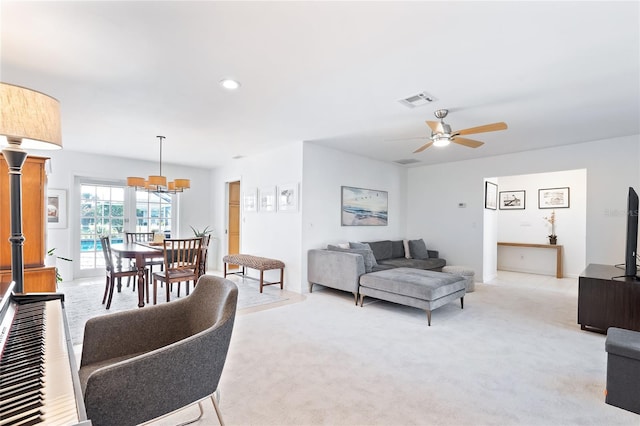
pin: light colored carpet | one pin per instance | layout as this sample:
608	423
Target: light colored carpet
513	356
83	299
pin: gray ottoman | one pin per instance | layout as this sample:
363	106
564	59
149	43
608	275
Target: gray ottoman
418	288
466	272
623	368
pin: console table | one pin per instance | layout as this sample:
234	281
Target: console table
557	248
608	299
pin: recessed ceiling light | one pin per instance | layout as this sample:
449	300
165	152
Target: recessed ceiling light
227	83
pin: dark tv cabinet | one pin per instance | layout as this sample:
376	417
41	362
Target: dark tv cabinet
605	299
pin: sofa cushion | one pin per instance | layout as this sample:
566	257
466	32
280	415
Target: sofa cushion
397	249
363	246
434	264
365	253
381	249
418	249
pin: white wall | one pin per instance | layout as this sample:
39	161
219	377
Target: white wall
66	165
434	193
529	225
490	238
274	235
325	172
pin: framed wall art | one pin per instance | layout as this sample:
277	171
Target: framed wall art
56	208
250	200
553	198
288	197
512	200
363	207
267	199
490	195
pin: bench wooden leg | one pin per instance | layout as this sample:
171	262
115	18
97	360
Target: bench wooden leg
261	279
225	269
281	278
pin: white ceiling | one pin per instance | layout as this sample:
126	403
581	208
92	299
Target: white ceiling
328	72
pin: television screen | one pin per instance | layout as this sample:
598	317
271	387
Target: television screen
630	269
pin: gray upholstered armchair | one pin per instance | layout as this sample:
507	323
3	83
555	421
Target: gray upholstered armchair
141	364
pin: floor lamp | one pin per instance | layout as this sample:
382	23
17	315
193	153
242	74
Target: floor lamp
31	120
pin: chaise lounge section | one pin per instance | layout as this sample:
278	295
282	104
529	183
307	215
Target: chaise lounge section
418	288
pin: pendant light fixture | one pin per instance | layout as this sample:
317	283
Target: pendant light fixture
158	183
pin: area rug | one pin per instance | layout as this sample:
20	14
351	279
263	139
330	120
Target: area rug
83	299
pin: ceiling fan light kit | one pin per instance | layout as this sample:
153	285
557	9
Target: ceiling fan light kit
442	135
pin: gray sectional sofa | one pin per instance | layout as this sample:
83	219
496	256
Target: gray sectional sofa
381	269
341	267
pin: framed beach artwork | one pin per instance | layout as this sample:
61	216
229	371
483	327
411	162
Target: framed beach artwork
553	198
512	200
364	207
250	200
56	208
288	197
267	199
490	195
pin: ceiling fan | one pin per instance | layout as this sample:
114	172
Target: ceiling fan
442	135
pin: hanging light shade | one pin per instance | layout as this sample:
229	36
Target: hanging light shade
158	183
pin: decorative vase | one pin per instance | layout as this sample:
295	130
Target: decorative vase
553	239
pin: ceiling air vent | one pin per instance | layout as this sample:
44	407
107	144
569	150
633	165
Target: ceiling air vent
417	100
407	161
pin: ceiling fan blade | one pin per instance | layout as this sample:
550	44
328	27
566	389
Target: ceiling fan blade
435	126
481	129
423	147
467	142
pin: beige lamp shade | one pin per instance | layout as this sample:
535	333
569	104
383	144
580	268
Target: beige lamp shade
136	181
30	117
183	183
157	181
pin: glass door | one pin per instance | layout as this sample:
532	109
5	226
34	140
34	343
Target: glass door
102	212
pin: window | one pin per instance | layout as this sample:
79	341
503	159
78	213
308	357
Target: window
153	212
101	213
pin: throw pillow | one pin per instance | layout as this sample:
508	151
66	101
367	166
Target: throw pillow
418	249
364	246
367	255
344	245
407	252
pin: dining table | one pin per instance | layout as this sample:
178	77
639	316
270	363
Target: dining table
140	252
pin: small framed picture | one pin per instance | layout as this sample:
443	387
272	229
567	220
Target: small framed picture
250	200
56	208
267	199
288	198
512	200
553	198
490	195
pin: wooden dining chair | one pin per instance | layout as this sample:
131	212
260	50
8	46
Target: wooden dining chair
114	272
144	237
181	263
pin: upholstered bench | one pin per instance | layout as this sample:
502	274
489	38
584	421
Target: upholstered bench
418	288
254	262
